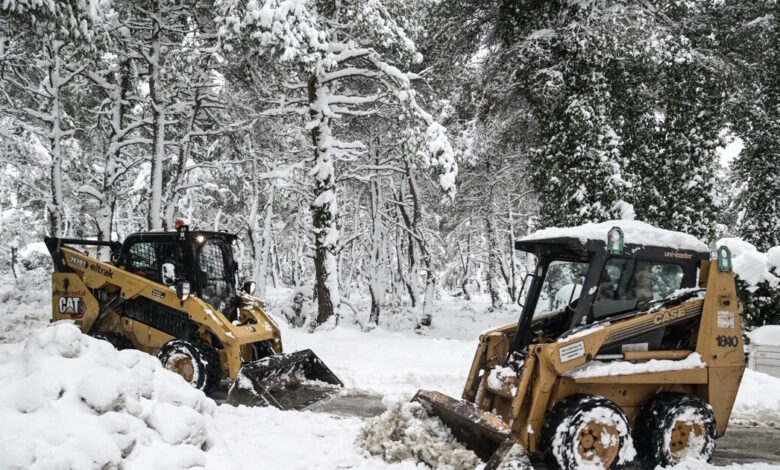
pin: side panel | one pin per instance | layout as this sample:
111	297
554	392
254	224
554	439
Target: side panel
720	345
71	300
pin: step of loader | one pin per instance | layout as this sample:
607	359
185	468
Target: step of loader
286	381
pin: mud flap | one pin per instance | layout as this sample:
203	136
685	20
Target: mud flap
481	432
286	381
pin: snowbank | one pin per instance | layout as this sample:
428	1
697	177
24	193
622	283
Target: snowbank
71	401
767	335
634	231
407	433
25	304
758	400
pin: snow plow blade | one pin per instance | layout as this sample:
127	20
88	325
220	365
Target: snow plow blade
483	433
293	381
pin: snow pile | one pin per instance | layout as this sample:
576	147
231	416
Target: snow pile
767	335
751	265
71	401
758	400
25	303
501	376
634	232
406	432
603	369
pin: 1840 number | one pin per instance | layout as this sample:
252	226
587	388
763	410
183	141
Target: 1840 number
727	341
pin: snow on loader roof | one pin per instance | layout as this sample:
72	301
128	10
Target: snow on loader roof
635	233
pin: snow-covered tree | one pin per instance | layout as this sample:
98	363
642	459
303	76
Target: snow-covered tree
42	43
752	35
339	57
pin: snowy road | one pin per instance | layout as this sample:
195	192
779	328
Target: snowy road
743	444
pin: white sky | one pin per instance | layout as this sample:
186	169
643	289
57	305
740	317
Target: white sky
730	151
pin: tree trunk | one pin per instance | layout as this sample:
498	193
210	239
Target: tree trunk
324	206
424	259
14	260
513	294
57	206
261	275
492	240
376	282
107	205
158	132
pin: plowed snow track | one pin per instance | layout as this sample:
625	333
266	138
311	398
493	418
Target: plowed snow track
740	444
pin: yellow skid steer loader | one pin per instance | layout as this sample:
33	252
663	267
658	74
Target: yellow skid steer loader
628	333
176	294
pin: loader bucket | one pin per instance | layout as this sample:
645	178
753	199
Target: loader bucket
481	432
286	381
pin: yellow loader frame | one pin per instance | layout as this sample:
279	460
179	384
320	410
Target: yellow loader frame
73	299
494	419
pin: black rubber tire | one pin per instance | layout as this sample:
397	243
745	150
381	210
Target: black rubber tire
558	439
205	361
656	420
116	340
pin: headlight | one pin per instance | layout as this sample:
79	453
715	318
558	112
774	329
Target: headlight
183	290
249	287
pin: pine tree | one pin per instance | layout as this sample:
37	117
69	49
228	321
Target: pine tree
757	118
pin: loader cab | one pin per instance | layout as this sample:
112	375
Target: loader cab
578	282
202	258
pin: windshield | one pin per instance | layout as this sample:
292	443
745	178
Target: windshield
215	273
628	284
562	285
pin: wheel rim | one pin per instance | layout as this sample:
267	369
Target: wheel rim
598	442
687	439
183	365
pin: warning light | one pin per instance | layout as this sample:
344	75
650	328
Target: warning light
178	223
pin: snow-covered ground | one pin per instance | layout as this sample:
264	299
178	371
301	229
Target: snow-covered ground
391	363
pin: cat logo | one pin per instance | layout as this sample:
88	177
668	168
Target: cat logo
73	306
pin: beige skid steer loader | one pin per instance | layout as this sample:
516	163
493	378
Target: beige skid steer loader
622	335
175	294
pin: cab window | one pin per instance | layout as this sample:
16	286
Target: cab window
217	285
626	285
146	259
562	285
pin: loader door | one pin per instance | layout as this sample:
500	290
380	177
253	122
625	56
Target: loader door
217	279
